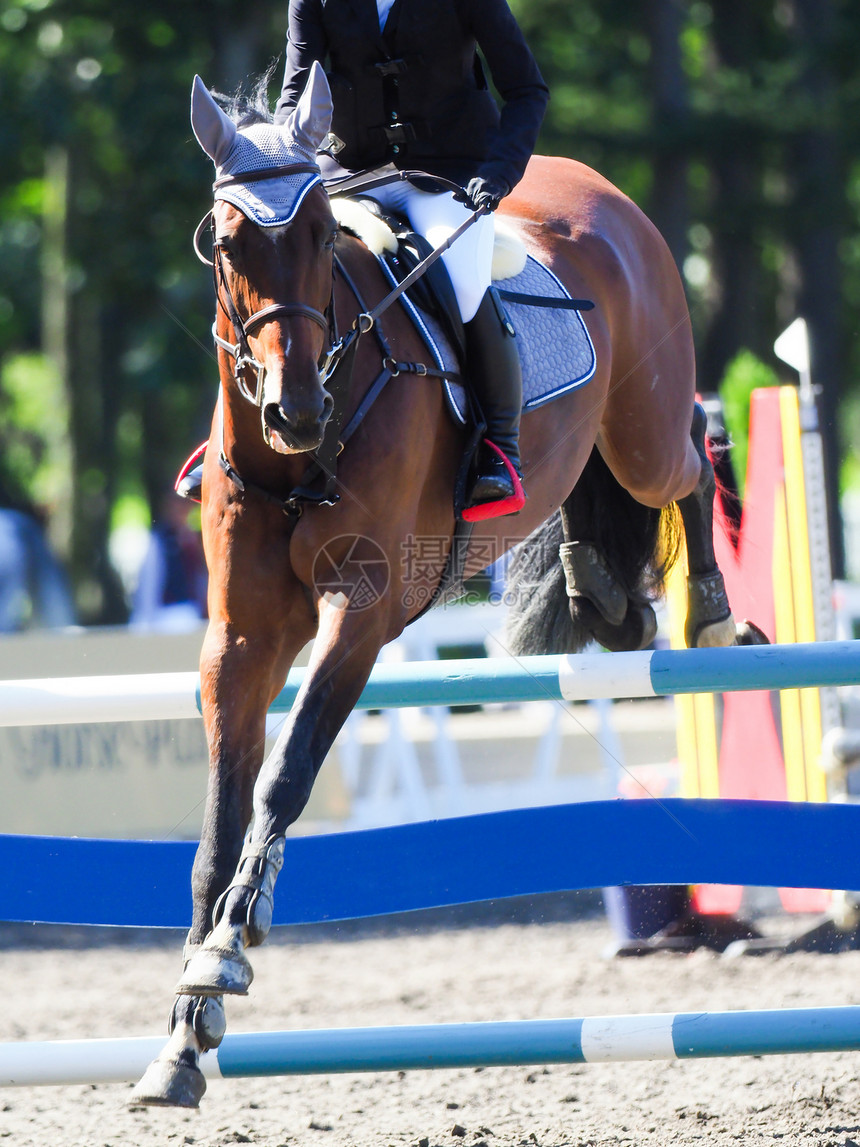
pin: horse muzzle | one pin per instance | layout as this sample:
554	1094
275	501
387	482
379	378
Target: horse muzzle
293	431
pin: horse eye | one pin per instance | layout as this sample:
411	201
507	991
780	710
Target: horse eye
330	240
225	248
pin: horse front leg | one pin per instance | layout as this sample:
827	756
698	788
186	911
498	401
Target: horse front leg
344	653
240	673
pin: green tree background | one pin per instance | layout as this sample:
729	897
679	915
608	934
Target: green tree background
734	124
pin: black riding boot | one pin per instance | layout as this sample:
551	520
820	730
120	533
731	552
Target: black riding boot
495	375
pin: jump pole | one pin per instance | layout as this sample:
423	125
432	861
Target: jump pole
600	1039
484	680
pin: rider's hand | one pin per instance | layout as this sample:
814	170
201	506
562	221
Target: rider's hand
485	191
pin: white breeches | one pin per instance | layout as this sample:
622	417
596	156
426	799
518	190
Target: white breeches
436	216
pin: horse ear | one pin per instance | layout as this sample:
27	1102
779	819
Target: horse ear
310	120
214	129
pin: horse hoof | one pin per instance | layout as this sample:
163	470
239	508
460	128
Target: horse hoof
709	624
750	634
169	1083
716	635
587	574
216	972
637	631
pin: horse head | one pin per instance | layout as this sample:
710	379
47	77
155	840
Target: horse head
273	235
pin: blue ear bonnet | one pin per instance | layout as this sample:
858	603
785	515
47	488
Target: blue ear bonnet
267	202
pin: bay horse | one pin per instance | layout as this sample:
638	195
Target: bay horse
287	569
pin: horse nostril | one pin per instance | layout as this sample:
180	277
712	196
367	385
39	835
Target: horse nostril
276	419
298	431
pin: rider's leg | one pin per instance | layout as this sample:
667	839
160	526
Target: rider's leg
496	378
492	358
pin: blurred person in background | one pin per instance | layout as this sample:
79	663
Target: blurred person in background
173	580
34	589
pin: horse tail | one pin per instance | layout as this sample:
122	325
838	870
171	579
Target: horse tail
639	545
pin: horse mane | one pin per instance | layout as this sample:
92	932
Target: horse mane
249	104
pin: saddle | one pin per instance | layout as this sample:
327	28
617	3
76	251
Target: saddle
555	349
400	249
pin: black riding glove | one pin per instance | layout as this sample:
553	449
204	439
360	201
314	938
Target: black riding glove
485	191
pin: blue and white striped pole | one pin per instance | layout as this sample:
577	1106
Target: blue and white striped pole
592	676
683	1035
484	680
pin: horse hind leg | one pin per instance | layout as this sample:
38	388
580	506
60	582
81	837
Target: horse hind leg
709	621
593	590
599	602
607	582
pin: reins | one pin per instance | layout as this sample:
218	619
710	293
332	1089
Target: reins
365	321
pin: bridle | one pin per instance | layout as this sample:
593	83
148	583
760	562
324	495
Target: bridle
336	361
240	350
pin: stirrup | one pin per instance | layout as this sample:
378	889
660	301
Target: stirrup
512	504
189	483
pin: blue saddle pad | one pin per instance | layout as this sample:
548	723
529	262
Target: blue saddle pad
556	350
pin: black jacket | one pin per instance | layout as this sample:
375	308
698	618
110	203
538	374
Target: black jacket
416	95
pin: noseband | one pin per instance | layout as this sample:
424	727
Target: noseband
242	328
